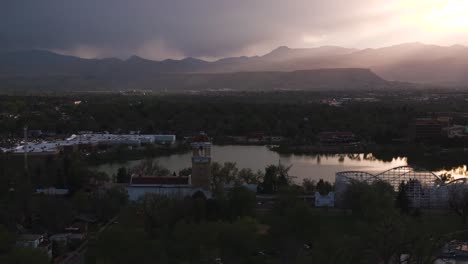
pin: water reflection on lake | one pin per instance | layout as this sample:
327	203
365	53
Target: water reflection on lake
258	157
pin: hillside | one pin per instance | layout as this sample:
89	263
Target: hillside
411	62
315	80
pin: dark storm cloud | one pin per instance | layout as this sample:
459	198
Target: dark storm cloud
165	28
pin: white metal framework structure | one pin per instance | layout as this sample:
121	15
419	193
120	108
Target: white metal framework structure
423	188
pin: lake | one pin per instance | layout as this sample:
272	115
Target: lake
258	157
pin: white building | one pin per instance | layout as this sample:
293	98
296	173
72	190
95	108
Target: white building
327	200
54	147
171	186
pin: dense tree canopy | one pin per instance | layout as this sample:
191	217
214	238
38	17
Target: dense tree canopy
291	114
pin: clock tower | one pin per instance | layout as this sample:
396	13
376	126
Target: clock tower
201	162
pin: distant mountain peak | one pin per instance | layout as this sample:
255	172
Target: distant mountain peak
135	58
286	53
280	49
413	45
37	52
458	46
192	59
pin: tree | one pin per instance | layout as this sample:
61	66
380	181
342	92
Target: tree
284	179
122	175
108	204
149	167
292	224
275	177
424	246
98	177
76	174
160	214
122	245
309	186
233	242
197	241
370	201
237	240
241	202
385	239
445	178
324	187
185	172
248	176
21	255
81	202
225	173
270	180
7	240
458	200
54	213
402	201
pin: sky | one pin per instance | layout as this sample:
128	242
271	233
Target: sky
210	29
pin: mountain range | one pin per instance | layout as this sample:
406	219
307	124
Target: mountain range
327	67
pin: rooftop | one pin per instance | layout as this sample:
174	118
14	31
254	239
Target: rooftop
170	180
91	138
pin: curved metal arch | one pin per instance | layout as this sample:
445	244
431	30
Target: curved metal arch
410	169
456	181
355	172
354	175
400	174
396	168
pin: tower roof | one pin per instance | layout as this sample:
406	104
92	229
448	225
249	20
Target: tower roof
170	180
201	138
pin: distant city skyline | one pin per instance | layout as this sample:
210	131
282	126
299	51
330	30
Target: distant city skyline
211	29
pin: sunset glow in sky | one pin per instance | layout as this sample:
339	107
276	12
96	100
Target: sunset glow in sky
161	29
438	16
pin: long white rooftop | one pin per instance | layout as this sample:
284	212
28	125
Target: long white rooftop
95	138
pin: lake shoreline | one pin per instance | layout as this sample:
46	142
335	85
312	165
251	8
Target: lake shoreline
311	166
